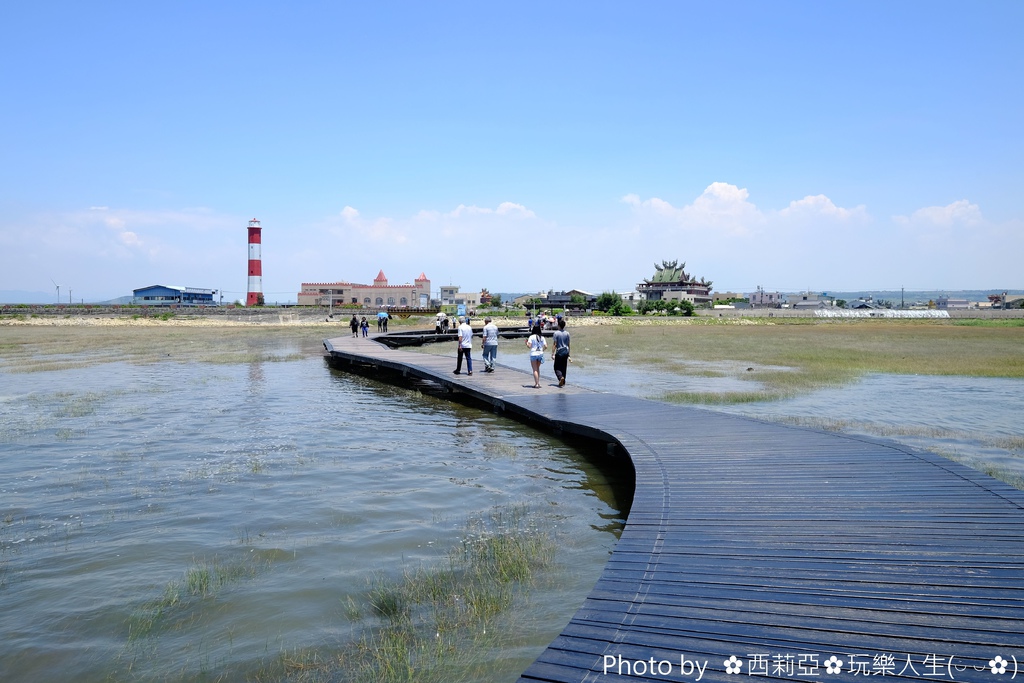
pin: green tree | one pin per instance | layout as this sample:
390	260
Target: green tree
620	308
607	300
496	300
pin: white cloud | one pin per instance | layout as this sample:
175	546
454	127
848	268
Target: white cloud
377	231
821	206
510	209
722	208
726	237
130	239
463	219
959	213
726	211
516	210
467	243
104	252
721	234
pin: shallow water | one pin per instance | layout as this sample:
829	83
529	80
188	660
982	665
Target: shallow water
302	484
974	420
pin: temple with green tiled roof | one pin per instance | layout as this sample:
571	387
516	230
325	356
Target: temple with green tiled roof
671	282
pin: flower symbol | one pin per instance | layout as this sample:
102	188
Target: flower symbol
833	665
733	665
998	665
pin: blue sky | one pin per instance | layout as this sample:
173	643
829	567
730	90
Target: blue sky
514	146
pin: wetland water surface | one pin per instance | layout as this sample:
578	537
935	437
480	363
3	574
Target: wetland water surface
974	420
188	521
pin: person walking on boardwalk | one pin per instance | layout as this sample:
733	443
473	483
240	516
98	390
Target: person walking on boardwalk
366	327
354	325
465	347
561	353
490	344
536	345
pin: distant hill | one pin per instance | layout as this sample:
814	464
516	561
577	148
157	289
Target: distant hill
21	297
13	296
916	295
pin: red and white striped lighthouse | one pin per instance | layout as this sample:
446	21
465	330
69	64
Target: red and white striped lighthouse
255	295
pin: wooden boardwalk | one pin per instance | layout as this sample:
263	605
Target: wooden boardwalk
780	546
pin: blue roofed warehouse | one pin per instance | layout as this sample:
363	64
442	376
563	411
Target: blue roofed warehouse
164	295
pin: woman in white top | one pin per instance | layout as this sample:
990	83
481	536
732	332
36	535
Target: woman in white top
537	346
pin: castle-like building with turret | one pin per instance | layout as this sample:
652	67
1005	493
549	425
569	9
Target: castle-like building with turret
380	293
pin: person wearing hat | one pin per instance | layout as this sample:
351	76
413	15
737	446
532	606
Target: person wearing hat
490	344
465	347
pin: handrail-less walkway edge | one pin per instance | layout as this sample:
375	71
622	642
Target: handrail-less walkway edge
806	555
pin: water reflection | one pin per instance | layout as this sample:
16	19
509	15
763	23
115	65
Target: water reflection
117	482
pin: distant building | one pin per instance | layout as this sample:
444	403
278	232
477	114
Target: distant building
564	300
863	304
1005	300
763	299
169	295
380	293
672	283
944	303
632	298
452	299
810	300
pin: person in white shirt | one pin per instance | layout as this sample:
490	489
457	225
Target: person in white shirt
536	345
490	344
465	347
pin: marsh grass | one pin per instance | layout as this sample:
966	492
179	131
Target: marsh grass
181	600
501	448
1011	477
1011	443
986	322
79	405
30	349
791	356
434	624
720	398
818	353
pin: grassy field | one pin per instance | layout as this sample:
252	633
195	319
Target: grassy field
780	358
784	358
39	348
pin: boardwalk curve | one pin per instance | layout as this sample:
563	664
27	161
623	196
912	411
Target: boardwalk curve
804	555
